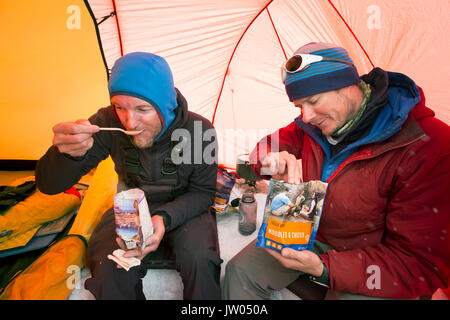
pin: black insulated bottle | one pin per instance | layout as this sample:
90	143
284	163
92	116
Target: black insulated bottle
247	214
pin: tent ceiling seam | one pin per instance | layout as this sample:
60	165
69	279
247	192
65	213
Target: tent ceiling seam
276	33
351	31
231	58
118	28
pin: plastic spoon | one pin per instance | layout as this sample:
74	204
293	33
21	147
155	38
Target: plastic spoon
130	133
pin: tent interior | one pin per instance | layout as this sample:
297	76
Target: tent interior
225	57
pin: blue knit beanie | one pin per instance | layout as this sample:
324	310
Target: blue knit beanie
148	77
321	76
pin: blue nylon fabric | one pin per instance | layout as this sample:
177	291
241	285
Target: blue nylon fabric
148	77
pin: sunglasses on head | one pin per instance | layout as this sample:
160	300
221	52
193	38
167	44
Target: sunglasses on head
301	61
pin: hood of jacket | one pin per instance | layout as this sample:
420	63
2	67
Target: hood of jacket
148	77
181	116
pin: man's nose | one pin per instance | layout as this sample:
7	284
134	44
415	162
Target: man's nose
130	120
307	113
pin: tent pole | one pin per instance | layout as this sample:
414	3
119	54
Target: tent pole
231	58
276	33
118	27
351	31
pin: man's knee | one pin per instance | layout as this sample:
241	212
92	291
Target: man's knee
239	281
237	270
110	282
197	243
233	265
199	256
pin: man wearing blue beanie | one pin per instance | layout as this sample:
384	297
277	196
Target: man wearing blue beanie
144	99
136	75
385	158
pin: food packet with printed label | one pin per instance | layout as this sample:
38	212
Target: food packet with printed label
132	217
224	184
291	215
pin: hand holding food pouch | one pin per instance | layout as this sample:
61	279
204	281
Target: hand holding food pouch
291	215
133	220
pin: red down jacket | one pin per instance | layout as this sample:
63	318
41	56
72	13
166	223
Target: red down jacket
386	209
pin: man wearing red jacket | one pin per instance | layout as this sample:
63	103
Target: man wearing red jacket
385	221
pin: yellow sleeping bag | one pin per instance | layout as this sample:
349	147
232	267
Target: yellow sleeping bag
98	199
22	221
51	276
46	277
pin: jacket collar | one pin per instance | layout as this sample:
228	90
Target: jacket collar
411	131
403	96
